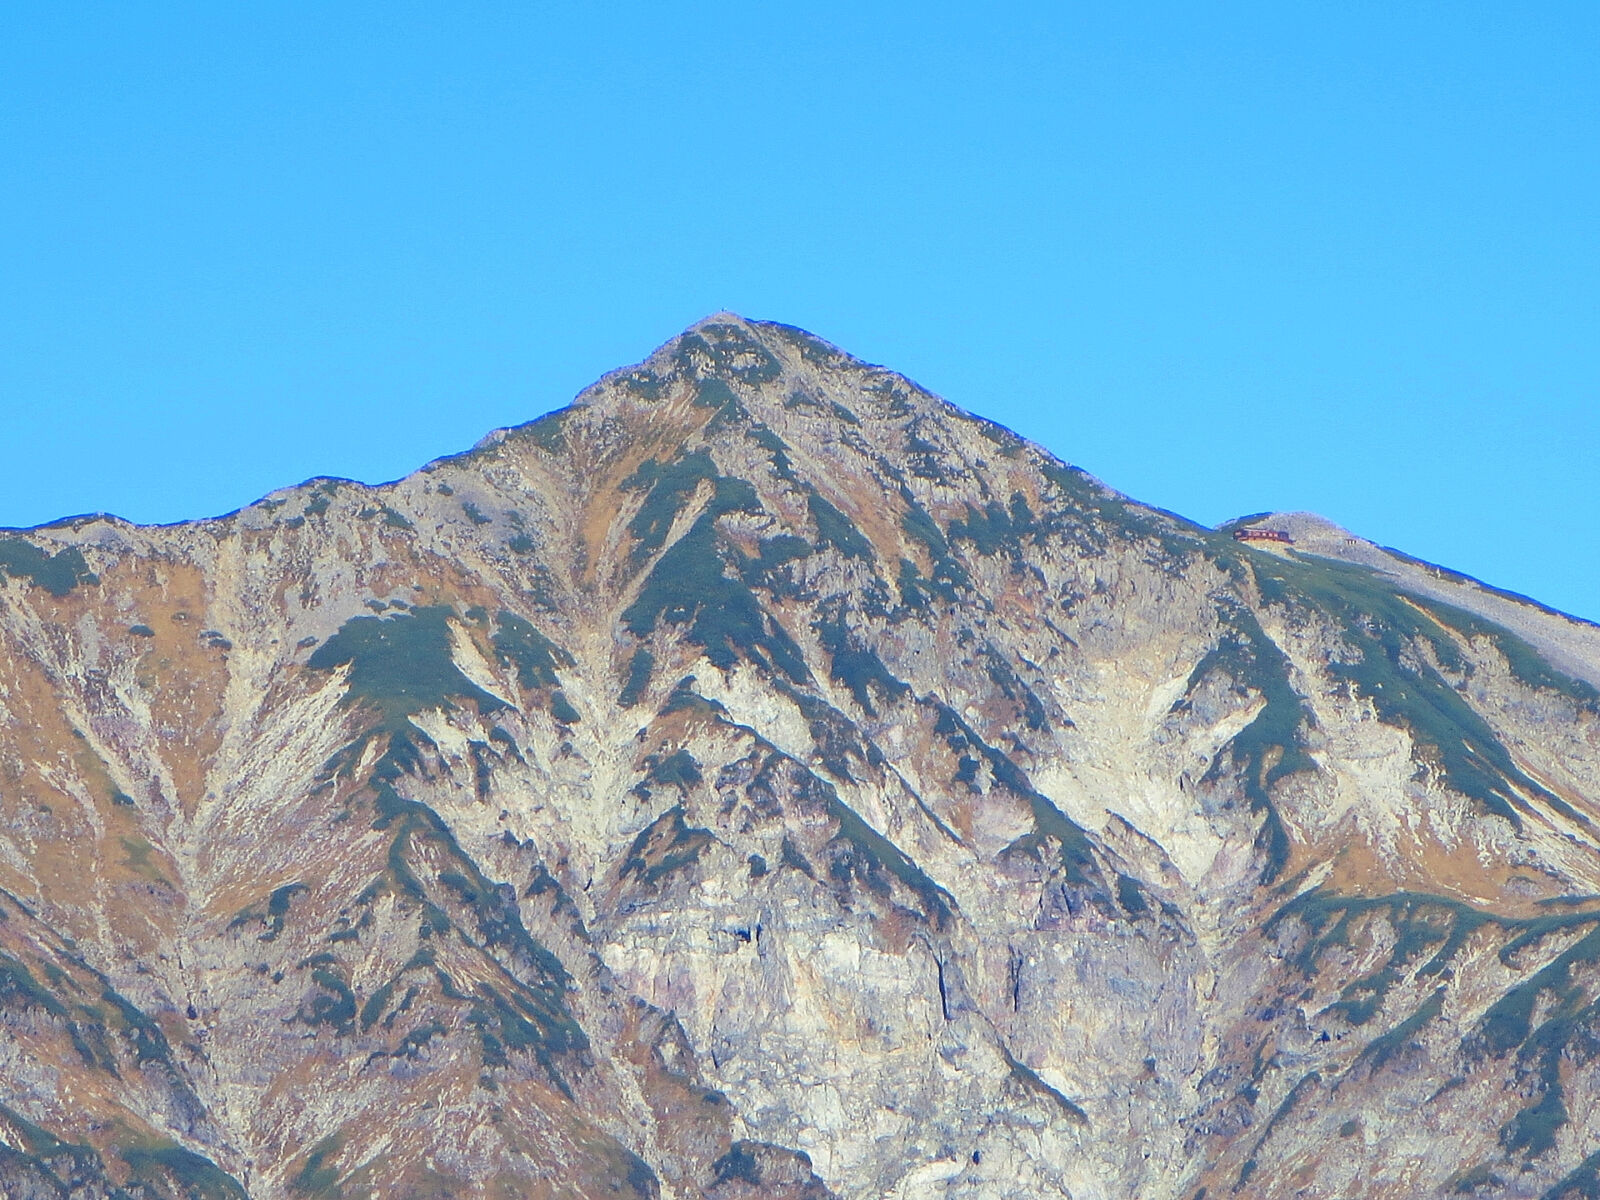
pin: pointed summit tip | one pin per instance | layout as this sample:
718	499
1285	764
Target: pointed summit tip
717	338
722	316
759	330
721	322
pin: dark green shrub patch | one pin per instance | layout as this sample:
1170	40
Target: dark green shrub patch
1011	686
549	431
400	665
1525	663
919	525
1386	633
165	1164
857	665
1075	853
640	667
679	770
834	529
666	845
316	1179
57	573
1271	747
724	349
690	586
763	436
812	348
995	528
858	851
517	643
670	487
766	568
332	1004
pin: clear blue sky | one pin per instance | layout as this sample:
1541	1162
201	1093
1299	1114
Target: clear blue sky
1328	256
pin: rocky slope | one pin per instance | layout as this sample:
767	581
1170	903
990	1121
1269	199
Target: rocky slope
763	779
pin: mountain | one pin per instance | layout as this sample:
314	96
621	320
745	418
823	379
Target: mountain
763	779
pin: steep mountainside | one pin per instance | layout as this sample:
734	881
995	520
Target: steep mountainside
762	779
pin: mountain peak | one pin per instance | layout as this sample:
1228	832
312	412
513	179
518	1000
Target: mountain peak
762	778
727	371
721	317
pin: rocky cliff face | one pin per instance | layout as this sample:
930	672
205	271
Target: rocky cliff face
763	779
